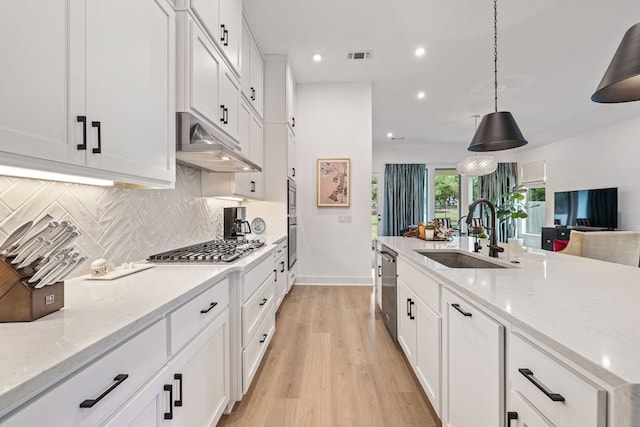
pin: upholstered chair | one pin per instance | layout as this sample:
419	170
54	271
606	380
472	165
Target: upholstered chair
621	247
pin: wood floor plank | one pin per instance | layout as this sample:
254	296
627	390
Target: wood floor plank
332	363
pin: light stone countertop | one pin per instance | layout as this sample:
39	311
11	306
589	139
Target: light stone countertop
97	315
584	309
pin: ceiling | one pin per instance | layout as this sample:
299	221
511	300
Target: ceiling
551	56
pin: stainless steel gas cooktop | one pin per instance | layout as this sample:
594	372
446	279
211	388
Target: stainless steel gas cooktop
209	252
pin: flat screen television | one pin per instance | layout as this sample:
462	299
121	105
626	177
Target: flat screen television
587	208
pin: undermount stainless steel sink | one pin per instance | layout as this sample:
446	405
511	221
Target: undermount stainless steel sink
458	260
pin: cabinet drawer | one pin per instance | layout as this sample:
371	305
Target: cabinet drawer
196	314
422	285
540	378
281	249
527	415
138	358
255	308
257	346
252	280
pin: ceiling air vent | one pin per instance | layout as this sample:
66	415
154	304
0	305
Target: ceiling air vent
362	54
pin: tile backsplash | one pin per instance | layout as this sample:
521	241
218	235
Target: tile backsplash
118	224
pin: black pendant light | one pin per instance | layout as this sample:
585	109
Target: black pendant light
498	130
621	81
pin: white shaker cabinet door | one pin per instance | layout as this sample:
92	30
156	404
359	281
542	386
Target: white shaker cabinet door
230	102
475	371
36	103
407	325
428	350
257	78
130	81
231	31
257	147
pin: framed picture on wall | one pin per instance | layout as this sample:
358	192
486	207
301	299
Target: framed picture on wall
334	180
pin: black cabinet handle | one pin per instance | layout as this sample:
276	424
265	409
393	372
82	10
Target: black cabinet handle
511	416
293	122
83	120
294	171
222	113
253	186
464	313
411	304
408	307
264	301
178	377
226	37
282	269
226	115
379	271
99	149
223	39
275	272
205	311
119	379
253	94
528	374
264	338
169	415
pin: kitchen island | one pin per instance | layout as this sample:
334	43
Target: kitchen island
582	312
99	316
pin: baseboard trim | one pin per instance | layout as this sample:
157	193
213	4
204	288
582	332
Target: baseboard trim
333	281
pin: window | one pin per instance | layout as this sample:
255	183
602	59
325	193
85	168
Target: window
535	210
447	194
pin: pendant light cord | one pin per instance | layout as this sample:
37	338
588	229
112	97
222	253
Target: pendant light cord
495	53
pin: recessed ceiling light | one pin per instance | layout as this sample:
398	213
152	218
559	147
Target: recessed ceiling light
317	57
420	52
421	95
390	135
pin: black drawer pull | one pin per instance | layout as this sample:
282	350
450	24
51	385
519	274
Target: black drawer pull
253	94
282	269
528	374
205	311
408	307
464	313
169	415
119	379
264	301
294	172
99	149
379	271
83	120
293	122
411	304
511	416
264	338
222	112
178	377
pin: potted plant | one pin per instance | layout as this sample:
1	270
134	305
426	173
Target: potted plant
510	207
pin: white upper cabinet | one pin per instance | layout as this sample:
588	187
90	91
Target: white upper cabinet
207	88
252	70
280	88
222	20
91	85
231	31
34	118
291	155
129	82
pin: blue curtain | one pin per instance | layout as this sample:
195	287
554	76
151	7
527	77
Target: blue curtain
404	197
494	185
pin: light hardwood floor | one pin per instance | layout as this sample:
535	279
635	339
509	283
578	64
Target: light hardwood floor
332	363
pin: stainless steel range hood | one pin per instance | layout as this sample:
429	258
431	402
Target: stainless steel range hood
208	148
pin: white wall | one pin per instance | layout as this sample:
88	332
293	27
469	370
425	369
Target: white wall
607	157
334	120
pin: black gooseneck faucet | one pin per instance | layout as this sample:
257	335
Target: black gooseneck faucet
494	249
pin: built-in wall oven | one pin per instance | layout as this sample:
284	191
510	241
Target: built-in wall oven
292	223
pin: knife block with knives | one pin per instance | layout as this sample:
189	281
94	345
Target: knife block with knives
20	301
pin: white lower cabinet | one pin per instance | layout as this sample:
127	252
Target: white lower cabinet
522	414
559	394
281	274
474	365
419	329
91	395
193	388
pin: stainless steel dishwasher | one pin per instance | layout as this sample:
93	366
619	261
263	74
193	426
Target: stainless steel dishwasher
389	285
